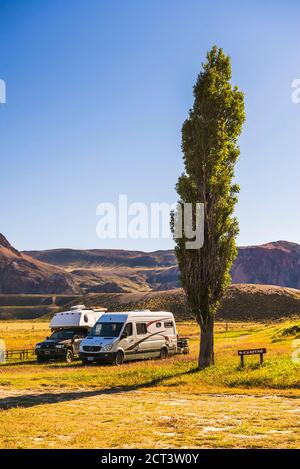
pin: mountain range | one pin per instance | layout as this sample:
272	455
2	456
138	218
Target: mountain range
72	271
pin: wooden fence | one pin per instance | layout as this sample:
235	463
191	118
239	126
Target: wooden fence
24	354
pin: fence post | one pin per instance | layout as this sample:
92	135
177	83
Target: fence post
261	358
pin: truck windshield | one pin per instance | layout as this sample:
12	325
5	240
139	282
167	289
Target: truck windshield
62	335
106	329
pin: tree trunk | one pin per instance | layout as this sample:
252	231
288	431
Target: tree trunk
206	355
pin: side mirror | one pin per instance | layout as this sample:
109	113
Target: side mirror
47	338
124	335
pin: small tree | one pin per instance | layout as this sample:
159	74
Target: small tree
209	145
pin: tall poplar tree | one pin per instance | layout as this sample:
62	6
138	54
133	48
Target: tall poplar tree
210	152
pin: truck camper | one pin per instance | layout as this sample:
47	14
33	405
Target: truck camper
68	329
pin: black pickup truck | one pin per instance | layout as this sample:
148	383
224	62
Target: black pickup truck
63	344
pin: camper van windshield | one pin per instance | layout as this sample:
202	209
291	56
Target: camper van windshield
106	329
62	335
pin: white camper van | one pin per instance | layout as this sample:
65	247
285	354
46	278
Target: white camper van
68	329
119	337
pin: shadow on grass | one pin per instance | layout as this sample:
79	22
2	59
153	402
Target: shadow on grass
17	363
52	363
32	400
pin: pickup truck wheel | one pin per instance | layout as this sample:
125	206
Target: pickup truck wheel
163	353
69	356
119	359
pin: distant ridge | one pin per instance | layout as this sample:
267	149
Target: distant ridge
96	270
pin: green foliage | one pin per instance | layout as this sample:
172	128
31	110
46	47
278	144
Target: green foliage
209	145
287	333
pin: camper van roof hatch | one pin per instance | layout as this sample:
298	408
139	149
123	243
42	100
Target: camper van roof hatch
99	309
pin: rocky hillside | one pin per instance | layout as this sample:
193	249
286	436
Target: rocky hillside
120	271
275	263
20	273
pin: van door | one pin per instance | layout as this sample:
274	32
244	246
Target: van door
127	339
141	339
150	342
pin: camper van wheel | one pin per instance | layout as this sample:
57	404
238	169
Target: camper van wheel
163	353
119	360
69	356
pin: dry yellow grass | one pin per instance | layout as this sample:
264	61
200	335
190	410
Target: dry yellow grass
23	334
152	419
153	403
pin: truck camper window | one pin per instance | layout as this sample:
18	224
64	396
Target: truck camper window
106	329
141	328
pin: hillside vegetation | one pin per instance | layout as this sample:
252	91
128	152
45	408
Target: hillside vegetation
240	303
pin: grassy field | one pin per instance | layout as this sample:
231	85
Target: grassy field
156	403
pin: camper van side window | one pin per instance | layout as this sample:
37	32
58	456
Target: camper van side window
158	324
141	328
169	325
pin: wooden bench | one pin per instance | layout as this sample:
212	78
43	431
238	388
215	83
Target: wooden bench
254	351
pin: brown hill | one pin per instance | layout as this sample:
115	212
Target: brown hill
240	303
276	263
20	273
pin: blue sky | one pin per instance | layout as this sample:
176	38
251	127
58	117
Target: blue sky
97	92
